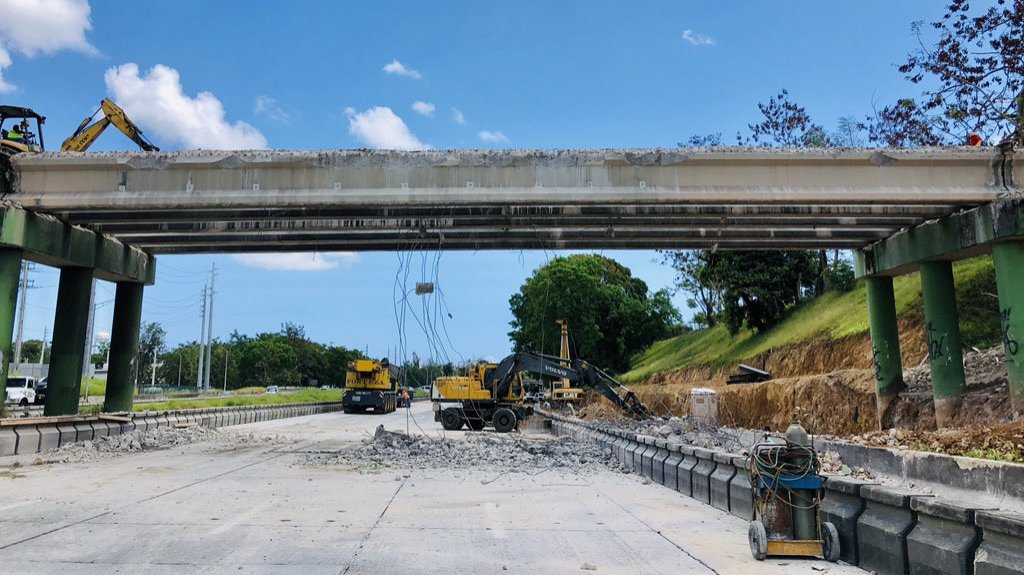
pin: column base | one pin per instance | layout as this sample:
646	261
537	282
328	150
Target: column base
946	409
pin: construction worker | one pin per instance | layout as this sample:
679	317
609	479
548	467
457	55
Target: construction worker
16	135
405	398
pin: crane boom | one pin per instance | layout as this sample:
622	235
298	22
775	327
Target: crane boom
88	131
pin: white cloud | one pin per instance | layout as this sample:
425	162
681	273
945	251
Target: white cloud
492	137
423	108
381	128
458	117
396	67
157	102
696	39
299	262
268	108
34	27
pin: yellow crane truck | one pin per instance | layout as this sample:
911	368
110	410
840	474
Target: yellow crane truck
369	385
492	394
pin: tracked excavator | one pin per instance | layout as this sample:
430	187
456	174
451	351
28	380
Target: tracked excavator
492	395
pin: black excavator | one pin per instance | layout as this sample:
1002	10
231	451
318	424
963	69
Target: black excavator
493	393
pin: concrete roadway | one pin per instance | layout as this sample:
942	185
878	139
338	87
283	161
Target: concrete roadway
256	509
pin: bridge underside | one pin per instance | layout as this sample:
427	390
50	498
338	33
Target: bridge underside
196	202
901	210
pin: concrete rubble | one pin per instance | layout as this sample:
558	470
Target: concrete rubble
150	440
510	452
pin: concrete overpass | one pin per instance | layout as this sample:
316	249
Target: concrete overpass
900	210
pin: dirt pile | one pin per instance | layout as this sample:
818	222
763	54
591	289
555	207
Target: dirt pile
505	452
987	397
1002	441
150	440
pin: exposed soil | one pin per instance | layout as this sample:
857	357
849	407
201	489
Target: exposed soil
1002	441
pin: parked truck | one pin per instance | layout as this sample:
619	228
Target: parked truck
370	385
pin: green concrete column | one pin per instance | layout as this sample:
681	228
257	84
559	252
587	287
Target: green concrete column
70	325
124	347
1009	261
885	343
10	274
942	332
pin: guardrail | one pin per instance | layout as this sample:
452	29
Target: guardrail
35	435
881	528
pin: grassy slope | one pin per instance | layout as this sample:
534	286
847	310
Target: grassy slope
833	315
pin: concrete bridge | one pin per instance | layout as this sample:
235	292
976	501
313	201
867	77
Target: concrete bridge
106	215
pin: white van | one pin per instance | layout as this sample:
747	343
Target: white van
21	390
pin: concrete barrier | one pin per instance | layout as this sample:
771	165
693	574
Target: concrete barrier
647	457
658	474
720	479
684	471
24	438
701	476
1002	543
944	539
842	507
633	451
675	457
882	529
741	497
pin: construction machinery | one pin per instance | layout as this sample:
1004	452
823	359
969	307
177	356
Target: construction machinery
27	142
562	392
88	131
492	394
370	385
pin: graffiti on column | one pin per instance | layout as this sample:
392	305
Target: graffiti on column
874	361
1012	347
936	342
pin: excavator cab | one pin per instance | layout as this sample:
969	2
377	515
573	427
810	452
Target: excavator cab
28	141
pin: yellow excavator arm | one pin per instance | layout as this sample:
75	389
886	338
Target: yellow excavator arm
88	130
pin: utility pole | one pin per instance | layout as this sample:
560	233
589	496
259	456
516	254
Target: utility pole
152	382
225	368
209	328
42	354
21	317
179	370
87	356
202	350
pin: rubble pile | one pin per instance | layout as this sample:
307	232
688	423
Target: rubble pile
387	449
984	368
830	463
1000	441
150	440
683	430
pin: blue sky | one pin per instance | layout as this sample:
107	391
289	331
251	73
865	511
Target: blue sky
333	75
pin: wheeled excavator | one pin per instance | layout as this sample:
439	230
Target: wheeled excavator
492	394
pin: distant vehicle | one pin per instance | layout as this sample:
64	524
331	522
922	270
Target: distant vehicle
21	390
272	390
41	386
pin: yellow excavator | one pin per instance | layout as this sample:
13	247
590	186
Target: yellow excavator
88	131
19	139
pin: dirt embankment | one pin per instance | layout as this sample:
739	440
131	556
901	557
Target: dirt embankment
830	385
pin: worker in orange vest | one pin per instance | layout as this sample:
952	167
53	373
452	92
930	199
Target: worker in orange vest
405	398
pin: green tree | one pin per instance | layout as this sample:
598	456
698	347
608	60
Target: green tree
30	350
152	344
698	277
759	286
268	360
611	315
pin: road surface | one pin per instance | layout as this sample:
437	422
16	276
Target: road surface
258	508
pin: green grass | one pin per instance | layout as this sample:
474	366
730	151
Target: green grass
303	396
96	387
833	315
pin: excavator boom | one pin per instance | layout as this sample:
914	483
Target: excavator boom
88	131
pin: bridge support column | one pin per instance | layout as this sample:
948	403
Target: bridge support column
70	325
885	343
1009	261
10	273
124	346
943	339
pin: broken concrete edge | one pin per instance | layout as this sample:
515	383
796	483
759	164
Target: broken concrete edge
23	439
1001	543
